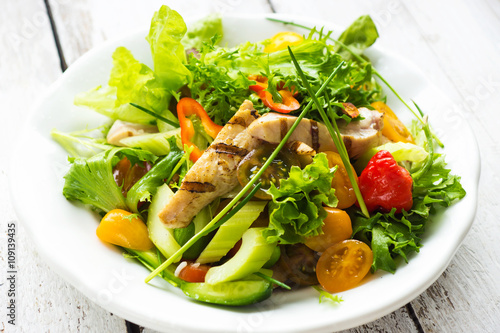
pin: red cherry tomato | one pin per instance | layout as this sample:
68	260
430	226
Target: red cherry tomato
194	272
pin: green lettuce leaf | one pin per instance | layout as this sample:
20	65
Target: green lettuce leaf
202	31
296	210
130	82
91	180
165	34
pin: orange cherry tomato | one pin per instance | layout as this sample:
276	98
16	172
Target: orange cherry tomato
336	228
194	272
130	233
289	102
281	40
343	265
341	182
393	129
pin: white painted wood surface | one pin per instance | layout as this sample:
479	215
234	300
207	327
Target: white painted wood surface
455	43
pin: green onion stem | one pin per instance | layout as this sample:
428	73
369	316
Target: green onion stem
334	133
247	187
430	145
360	59
156	115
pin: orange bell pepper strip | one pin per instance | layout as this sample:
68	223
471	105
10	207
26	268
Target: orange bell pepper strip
261	82
289	102
187	107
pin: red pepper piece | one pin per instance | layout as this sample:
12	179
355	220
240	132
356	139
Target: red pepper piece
289	102
386	185
187	107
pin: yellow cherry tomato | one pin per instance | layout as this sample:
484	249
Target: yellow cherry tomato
336	228
341	182
343	265
283	39
118	227
393	129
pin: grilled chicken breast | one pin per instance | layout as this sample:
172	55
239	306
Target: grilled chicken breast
214	173
358	136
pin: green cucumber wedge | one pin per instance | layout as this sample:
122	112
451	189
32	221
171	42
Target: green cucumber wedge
254	252
236	293
160	235
231	232
182	235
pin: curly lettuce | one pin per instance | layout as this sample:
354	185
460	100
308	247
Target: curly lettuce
296	210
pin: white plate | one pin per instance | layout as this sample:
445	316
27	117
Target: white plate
64	233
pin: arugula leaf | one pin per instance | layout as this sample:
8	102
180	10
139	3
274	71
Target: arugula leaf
296	210
146	187
91	180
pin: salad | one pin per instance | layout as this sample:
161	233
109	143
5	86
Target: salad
232	172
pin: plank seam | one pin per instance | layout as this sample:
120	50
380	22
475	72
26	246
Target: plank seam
62	61
133	328
414	318
271	6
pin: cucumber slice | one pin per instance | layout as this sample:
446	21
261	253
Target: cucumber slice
255	251
182	235
235	293
230	232
160	235
274	258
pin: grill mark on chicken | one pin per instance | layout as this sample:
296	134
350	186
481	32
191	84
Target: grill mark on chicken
223	148
283	127
314	135
237	121
254	113
197	187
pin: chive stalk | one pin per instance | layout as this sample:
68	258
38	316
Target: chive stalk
156	115
247	187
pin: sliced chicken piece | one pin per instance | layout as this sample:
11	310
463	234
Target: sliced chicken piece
358	136
214	173
123	129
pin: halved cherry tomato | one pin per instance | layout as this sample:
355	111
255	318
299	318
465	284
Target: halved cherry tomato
393	128
278	169
343	265
194	272
336	228
281	40
341	182
288	105
130	233
126	176
186	107
261	82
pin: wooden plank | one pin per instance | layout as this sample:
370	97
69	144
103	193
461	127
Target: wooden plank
28	65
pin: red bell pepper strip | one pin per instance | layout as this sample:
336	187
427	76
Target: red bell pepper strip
385	185
187	107
289	102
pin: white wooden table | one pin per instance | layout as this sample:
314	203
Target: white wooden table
455	43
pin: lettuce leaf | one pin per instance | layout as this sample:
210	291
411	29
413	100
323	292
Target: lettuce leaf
296	210
130	82
202	31
360	35
91	180
165	34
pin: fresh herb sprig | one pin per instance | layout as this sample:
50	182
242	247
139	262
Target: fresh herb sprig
247	187
334	133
